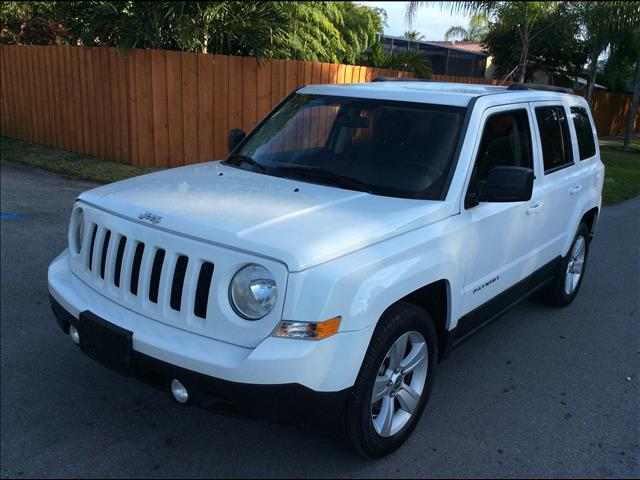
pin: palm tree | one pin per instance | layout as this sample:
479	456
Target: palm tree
413	35
605	24
475	32
634	105
408	61
525	16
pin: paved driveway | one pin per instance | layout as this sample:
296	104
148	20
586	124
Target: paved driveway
541	392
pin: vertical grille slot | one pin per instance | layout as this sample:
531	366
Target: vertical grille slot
105	247
178	282
93	243
156	270
202	290
118	267
135	269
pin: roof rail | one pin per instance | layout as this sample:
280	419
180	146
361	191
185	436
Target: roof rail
540	86
400	79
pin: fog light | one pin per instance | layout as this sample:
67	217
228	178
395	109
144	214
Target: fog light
179	391
73	333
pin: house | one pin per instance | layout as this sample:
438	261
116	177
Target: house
466	59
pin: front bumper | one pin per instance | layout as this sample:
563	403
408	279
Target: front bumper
279	370
275	402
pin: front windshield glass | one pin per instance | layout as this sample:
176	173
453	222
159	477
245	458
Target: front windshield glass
382	147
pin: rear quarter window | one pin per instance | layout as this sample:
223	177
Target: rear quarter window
557	151
584	132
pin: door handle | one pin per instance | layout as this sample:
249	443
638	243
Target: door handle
532	210
575	189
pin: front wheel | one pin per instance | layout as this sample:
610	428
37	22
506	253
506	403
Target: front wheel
394	382
565	284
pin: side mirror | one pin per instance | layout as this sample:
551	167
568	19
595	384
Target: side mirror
507	184
236	135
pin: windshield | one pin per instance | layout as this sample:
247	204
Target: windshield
382	147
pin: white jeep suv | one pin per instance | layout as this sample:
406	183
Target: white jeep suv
346	244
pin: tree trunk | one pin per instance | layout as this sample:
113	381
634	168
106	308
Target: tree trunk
522	68
634	106
593	68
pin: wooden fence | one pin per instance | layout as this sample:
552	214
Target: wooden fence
155	107
611	113
167	108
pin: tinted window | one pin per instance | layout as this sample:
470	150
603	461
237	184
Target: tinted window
584	132
554	136
506	141
384	147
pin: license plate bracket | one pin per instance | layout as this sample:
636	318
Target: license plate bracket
106	343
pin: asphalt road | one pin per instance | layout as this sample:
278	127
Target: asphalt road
542	392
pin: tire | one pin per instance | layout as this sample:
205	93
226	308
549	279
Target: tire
561	290
373	437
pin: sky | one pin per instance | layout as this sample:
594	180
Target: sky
431	21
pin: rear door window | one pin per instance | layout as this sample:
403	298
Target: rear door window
557	151
584	132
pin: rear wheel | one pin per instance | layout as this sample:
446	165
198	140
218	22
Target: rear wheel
394	382
568	279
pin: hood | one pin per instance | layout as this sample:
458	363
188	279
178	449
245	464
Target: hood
298	223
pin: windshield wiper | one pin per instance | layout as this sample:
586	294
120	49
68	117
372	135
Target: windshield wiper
334	178
237	159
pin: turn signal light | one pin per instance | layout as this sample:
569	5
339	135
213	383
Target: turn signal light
308	330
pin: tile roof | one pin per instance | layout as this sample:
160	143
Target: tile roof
475	47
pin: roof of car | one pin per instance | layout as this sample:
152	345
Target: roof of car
440	93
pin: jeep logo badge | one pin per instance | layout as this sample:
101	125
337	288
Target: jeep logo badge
151	217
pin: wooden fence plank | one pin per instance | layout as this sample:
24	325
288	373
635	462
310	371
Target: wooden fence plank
174	101
4	95
116	115
60	97
33	94
39	94
84	99
30	88
276	81
235	92
26	94
264	89
205	107
76	101
221	101
92	104
190	106
160	105
144	107
308	73
80	106
123	80
8	119
249	93
98	85
324	73
68	99
51	116
316	73
291	77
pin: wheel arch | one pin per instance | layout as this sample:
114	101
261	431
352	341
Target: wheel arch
591	219
435	299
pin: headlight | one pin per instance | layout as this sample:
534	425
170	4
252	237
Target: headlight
76	230
253	292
